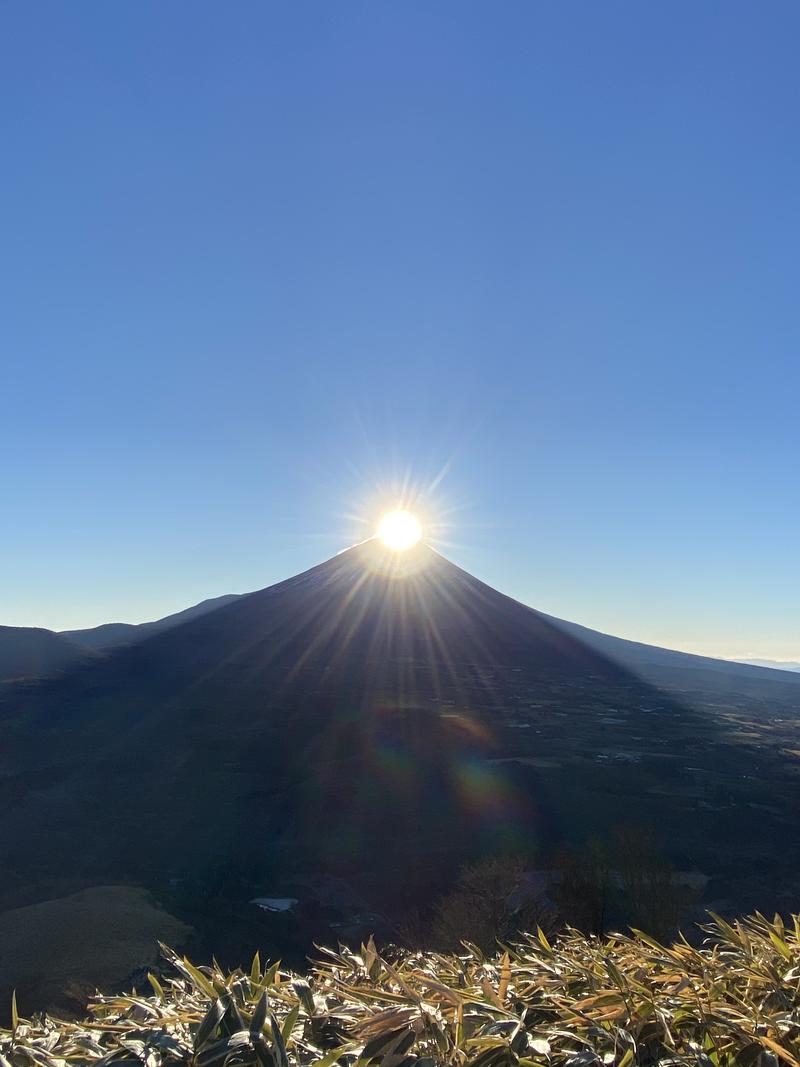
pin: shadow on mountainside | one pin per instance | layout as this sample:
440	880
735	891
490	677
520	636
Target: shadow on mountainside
377	720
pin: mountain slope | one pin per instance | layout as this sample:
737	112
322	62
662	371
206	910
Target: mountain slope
665	666
28	651
380	719
113	634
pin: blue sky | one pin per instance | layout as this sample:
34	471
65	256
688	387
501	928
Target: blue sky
262	263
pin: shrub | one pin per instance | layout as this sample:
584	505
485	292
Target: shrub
491	901
622	1000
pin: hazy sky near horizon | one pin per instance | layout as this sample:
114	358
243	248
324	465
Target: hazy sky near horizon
264	264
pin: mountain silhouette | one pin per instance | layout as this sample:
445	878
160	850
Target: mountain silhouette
114	634
30	651
382	718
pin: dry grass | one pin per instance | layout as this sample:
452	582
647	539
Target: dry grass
582	1001
62	950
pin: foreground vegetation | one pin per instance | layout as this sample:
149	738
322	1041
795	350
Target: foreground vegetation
578	1001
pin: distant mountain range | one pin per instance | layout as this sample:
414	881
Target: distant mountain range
774	664
33	651
114	634
374	723
27	652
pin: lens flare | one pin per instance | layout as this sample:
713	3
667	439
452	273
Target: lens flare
399	530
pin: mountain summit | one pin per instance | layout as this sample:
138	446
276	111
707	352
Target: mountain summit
372	620
381	718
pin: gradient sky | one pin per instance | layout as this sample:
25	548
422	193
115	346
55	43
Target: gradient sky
262	263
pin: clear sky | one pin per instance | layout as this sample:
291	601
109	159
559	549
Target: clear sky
262	262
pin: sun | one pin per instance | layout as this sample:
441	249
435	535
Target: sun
399	530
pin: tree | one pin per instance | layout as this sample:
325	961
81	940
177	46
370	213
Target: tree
653	901
626	880
583	886
493	900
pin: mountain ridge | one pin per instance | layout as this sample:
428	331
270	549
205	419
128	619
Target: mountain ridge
34	651
631	653
380	720
111	634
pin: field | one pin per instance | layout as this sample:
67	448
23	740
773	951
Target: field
499	761
60	951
